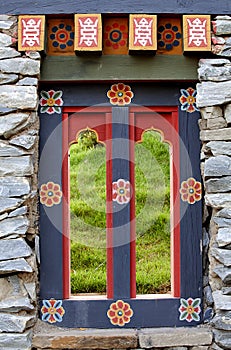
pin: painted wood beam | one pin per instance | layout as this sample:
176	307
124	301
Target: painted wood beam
109	68
104	6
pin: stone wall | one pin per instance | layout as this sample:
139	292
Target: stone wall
19	127
18	189
214	100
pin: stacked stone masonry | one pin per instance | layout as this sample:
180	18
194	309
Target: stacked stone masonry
19	126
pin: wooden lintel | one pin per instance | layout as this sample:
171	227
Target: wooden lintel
110	68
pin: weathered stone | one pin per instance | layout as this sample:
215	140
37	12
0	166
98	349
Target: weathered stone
226	290
16	166
218	185
18	212
200	347
87	339
224	273
216	347
8	78
216	123
37	250
9	341
28	81
15	265
8	52
15	187
7	203
222	200
217	166
31	290
5	40
221	302
7	150
224	236
222	321
222	255
224	213
21	97
164	337
35	55
218	147
16	225
24	66
215	62
227	113
208	295
223	338
222	26
212	94
16	304
6	24
215	135
13	249
213	73
211	112
26	141
15	324
4	110
10	122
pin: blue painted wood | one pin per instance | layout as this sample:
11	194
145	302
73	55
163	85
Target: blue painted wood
148	94
146	313
105	6
50	165
191	214
121	213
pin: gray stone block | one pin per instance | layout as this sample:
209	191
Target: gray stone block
8	78
15	323
21	97
223	338
13	122
13	249
218	185
221	200
9	341
212	93
5	40
217	166
224	273
171	337
7	204
16	166
15	186
222	255
24	66
15	265
221	302
224	237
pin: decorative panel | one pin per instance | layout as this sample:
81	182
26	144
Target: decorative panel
169	35
31	33
197	33
115	36
142	32
60	36
88	32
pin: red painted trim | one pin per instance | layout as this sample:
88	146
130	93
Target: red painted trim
132	208
66	210
109	216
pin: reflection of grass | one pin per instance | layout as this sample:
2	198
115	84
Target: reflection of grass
88	218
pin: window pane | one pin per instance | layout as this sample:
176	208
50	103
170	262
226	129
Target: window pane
152	182
88	215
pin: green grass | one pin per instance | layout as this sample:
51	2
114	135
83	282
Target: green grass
88	218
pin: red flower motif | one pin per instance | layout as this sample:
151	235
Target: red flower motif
121	191
115	35
120	313
51	101
50	194
190	191
190	309
120	94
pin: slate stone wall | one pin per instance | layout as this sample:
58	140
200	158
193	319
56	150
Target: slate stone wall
19	258
18	189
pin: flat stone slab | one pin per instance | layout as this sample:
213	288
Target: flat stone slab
86	339
171	337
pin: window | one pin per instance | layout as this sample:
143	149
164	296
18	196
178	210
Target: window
119	128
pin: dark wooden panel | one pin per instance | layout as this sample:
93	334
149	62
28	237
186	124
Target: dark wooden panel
50	169
105	6
108	68
148	94
156	312
121	213
191	214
